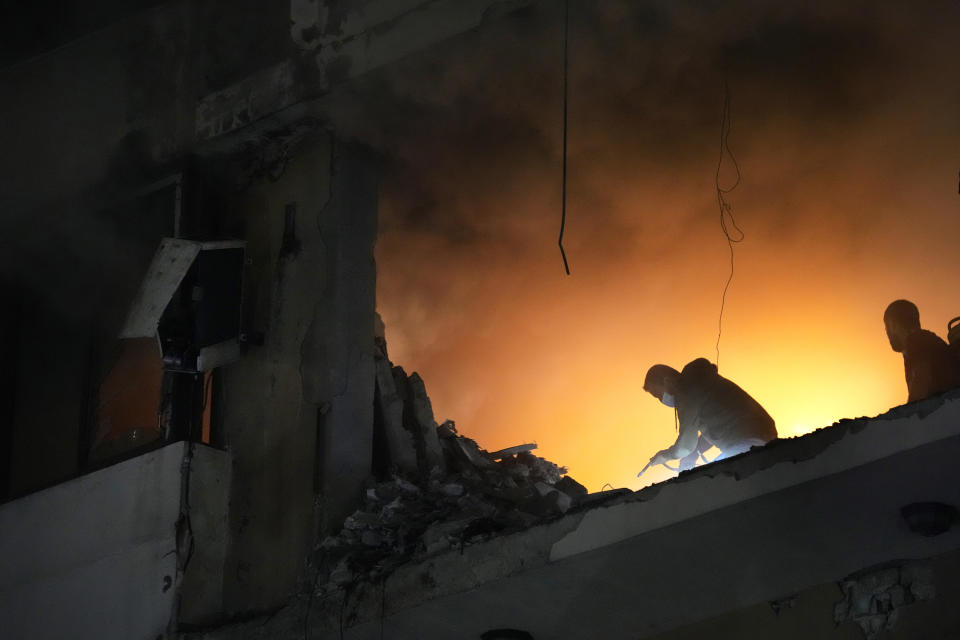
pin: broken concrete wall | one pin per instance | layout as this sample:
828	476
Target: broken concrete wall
419	422
109	112
105	115
810	613
84	127
431	504
298	410
412	562
400	453
202	551
339	42
337	356
97	557
90	124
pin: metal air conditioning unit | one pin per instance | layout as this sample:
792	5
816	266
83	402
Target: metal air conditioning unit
190	300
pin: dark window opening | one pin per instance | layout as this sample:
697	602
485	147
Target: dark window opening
128	399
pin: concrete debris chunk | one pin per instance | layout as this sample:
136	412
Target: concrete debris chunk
873	598
406	486
511	451
419	422
541	468
439	491
543	505
389	511
469	450
342	574
389	414
440	536
359	520
452	489
571	487
447	430
423	414
564	502
515	468
542	489
329	542
552	498
371	538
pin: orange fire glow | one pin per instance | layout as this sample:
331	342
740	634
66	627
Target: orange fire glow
563	364
848	202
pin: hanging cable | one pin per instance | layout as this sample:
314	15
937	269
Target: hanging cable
728	224
563	187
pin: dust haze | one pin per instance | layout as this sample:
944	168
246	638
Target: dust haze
845	123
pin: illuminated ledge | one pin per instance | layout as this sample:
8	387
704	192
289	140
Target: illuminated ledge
779	465
767	524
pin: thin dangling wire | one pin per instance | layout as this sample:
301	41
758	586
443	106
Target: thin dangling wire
726	210
563	188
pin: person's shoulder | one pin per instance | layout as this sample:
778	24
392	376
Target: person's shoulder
698	374
700	366
925	340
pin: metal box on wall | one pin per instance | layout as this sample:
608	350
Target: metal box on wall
190	300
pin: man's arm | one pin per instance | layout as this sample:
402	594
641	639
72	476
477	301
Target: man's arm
685	444
689	461
918	386
920	374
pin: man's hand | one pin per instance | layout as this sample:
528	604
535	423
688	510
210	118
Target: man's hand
662	457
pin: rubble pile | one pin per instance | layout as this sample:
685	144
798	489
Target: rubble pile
438	490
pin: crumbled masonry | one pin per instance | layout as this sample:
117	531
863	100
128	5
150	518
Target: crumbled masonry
873	599
453	494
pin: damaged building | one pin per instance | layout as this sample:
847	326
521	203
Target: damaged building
203	435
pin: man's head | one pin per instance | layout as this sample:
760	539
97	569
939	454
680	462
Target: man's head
901	319
662	379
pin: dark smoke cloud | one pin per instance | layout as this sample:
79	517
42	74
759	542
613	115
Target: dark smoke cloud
472	130
845	126
481	117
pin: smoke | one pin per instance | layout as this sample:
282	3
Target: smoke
845	127
472	130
